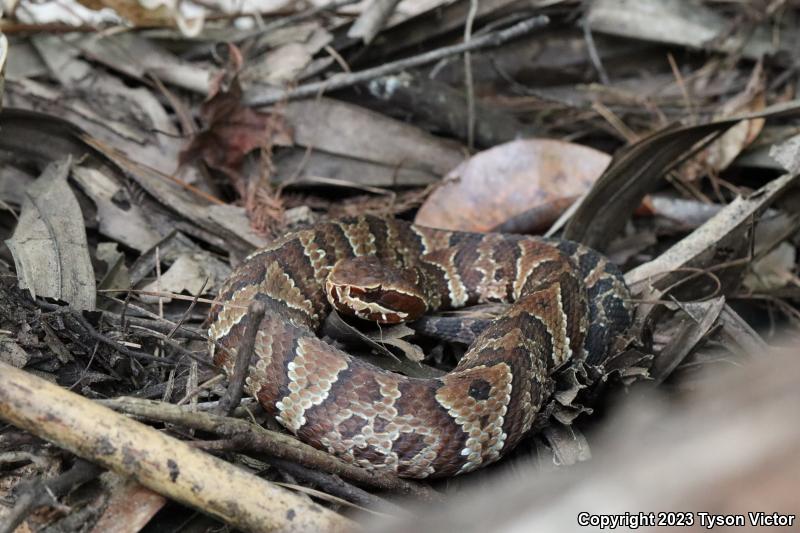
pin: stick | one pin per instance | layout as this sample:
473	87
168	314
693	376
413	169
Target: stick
43	491
254	438
233	394
346	80
161	463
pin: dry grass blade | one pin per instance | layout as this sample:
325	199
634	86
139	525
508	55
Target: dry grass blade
635	172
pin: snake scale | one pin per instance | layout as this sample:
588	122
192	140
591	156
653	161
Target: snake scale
568	304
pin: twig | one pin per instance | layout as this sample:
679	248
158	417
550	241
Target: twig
468	81
188	311
96	335
329	483
291	19
333	484
163	326
254	438
195	356
42	492
141	356
233	395
593	55
153	321
341	81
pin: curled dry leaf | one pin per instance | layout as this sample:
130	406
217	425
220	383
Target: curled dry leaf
289	52
12	353
721	153
509	179
49	245
187	15
133	11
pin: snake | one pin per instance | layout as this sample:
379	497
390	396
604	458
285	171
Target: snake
568	305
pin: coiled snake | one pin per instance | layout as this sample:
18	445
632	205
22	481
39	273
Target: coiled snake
569	304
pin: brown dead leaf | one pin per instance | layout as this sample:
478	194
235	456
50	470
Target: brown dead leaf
232	131
130	506
509	179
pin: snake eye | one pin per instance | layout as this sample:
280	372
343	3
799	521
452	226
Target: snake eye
368	288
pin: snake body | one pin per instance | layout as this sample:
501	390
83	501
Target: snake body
568	305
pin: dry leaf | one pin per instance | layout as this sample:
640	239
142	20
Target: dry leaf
116	275
129	508
289	52
702	316
680	22
188	16
774	270
232	131
509	179
119	218
12	353
49	244
637	169
192	273
700	247
133	11
349	130
721	153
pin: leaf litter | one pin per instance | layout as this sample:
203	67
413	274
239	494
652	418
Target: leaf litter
136	173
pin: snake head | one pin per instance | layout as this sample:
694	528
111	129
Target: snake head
372	289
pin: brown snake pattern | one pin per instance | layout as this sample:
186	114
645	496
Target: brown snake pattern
569	304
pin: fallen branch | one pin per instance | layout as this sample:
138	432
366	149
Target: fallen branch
341	81
159	462
257	439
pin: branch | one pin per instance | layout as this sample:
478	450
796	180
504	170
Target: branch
161	463
341	81
254	438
